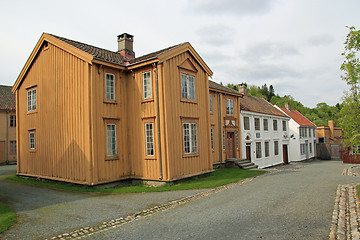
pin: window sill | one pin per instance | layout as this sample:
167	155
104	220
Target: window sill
188	101
32	150
110	158
110	101
147	100
191	155
32	112
150	158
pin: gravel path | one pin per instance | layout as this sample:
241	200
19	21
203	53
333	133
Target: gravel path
294	203
44	213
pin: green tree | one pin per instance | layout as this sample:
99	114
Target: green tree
350	112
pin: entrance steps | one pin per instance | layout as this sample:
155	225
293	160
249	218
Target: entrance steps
240	163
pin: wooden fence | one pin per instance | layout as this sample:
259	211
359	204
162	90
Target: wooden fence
348	157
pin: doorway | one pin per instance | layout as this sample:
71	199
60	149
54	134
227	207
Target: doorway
248	152
285	154
230	145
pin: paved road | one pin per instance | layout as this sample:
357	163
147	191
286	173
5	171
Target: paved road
44	213
296	203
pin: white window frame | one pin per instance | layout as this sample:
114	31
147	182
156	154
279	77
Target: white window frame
149	139
275	125
31	99
190	138
210	101
111	143
32	140
187	86
266	126
257	126
267	149
146	76
212	138
229	106
276	148
258	150
284	126
110	86
246	123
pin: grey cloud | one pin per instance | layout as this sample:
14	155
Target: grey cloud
238	7
215	35
320	40
268	51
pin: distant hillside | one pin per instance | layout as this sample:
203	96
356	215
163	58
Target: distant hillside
320	115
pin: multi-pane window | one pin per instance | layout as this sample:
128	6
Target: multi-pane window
246	123
12	121
310	147
258	150
284	125
110	86
257	124
111	140
303	132
190	138
276	147
149	139
314	132
12	147
266	124
32	140
187	86
310	132
31	100
275	125
229	107
224	139
237	138
267	149
210	99
302	149
147	85
212	138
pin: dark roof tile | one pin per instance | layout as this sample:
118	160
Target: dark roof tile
7	98
298	117
220	87
259	105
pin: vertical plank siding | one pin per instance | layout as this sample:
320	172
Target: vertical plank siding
60	120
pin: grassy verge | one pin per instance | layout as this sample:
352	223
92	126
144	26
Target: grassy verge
217	178
7	217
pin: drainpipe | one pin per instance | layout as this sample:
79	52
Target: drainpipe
220	135
158	119
7	137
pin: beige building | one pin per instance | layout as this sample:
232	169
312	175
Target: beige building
8	125
89	115
329	134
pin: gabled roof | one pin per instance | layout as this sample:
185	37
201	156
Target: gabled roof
7	98
215	86
89	53
259	105
298	117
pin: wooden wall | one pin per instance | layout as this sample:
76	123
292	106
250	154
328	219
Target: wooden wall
61	121
177	111
7	134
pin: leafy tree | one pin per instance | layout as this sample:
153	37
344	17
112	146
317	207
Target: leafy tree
350	112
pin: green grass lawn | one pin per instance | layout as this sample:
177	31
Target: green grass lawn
7	217
217	178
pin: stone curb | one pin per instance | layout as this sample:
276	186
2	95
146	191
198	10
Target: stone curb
105	226
345	219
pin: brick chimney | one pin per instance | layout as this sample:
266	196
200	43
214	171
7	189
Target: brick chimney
243	88
125	45
331	126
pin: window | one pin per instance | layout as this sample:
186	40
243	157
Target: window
276	148
310	132
149	139
246	123
110	86
111	139
258	150
284	125
310	147
314	132
224	139
32	140
237	138
229	107
190	138
187	87
321	139
12	147
147	85
266	124
210	99
275	126
257	124
12	121
302	149
31	100
212	138
267	149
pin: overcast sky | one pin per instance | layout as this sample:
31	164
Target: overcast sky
295	45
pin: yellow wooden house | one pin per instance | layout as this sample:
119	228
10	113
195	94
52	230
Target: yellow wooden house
90	116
